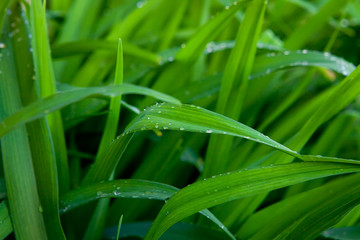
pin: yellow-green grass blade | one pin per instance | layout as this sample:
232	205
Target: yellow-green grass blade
97	223
305	207
46	86
5	227
25	208
227	187
131	188
303	34
52	103
234	84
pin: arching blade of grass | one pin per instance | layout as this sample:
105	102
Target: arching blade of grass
271	62
195	119
5	227
139	189
234	84
301	210
227	187
25	208
52	103
303	34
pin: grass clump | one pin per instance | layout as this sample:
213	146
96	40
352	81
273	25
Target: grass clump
154	111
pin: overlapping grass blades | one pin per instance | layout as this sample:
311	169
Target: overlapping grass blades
244	69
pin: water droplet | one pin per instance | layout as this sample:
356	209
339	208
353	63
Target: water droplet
2	45
209	131
183	45
140	4
170	59
304	51
227	7
182	129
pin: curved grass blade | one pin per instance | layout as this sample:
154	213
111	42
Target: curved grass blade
131	188
227	187
288	212
271	62
192	118
52	103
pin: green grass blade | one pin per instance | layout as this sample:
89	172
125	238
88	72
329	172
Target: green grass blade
119	228
46	86
97	223
102	169
234	84
40	141
81	47
52	103
5	227
271	62
303	34
3	6
227	187
25	208
131	188
289	211
195	119
197	43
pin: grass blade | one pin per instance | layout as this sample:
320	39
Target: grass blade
227	187
132	188
234	84
25	208
52	103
